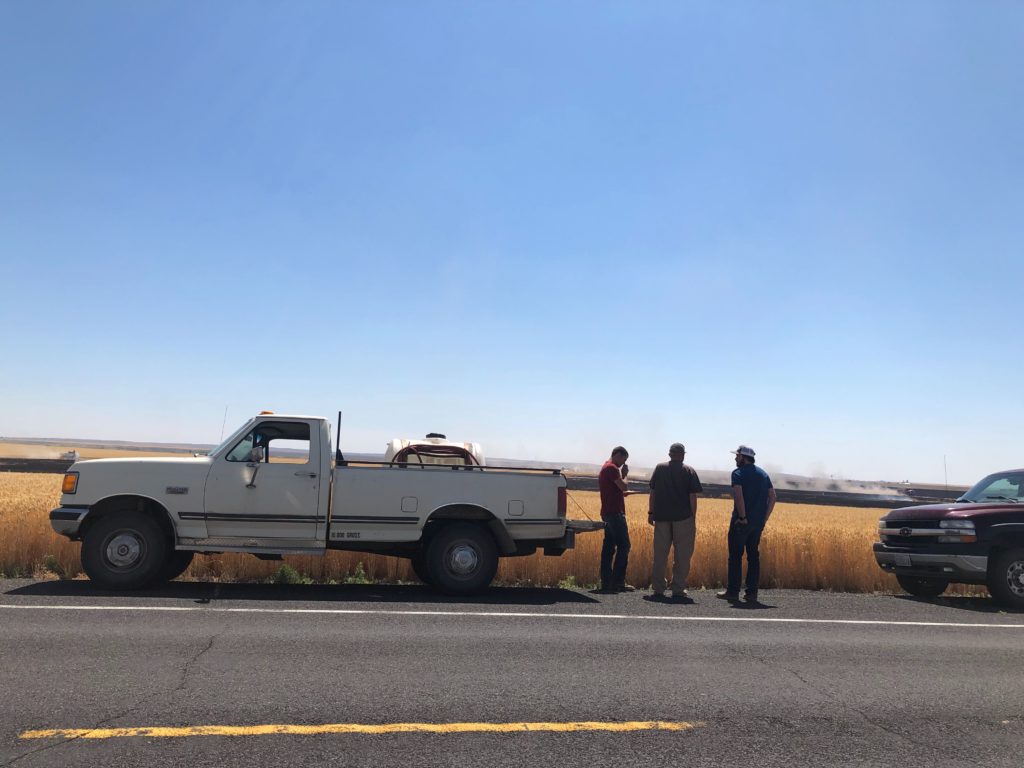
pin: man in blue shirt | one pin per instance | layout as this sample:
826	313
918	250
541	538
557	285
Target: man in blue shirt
754	499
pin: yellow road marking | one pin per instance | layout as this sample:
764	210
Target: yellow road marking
309	730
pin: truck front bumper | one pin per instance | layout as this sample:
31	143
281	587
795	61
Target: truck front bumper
969	569
67	521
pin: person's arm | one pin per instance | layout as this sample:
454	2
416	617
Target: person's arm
622	485
693	504
737	497
771	504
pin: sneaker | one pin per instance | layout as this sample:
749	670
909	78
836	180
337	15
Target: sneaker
732	597
624	588
750	597
680	593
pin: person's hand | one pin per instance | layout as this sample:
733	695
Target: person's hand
625	470
628	493
650	519
741	520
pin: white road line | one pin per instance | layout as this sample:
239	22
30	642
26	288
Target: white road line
505	615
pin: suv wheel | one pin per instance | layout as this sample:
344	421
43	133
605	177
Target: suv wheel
922	587
461	559
1006	577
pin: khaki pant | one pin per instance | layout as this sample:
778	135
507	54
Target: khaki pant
680	533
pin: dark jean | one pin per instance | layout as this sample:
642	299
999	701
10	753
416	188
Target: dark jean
616	544
744	537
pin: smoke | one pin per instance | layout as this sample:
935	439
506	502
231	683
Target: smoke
36	452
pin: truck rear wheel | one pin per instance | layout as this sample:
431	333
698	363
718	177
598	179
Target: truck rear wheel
124	550
922	587
1006	577
461	559
419	566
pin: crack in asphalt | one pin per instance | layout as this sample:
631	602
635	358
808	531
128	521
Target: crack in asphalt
185	671
189	663
867	718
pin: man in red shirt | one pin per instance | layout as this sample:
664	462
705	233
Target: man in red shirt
615	552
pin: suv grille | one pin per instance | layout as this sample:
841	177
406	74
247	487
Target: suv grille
911	526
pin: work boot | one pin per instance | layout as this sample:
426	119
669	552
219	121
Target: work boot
625	588
732	597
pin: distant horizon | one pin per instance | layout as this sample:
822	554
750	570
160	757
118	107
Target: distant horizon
72	442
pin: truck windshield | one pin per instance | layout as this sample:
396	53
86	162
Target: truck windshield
1002	486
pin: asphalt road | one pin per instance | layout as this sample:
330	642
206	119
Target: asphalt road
807	679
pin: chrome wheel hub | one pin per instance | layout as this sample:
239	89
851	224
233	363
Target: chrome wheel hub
124	550
463	559
1015	577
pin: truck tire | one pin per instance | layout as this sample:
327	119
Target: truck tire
1006	577
922	587
175	565
419	566
462	559
124	550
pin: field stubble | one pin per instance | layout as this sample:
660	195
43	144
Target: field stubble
803	547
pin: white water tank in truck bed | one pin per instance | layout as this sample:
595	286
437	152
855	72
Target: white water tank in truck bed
433	449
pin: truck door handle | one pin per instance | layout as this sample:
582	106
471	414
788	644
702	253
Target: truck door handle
305	474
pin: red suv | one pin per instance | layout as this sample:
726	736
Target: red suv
978	539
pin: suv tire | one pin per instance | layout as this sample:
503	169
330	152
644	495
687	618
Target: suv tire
1006	577
922	587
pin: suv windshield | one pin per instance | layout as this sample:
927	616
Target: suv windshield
1002	486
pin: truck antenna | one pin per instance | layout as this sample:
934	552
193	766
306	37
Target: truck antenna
224	423
338	457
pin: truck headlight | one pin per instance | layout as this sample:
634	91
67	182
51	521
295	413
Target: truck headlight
70	484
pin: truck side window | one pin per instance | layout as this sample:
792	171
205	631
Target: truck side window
283	442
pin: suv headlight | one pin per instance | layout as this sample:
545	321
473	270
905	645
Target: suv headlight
961	532
962	524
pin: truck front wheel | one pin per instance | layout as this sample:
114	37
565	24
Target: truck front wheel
1006	577
176	564
124	550
461	559
921	587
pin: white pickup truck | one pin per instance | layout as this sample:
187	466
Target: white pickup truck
275	487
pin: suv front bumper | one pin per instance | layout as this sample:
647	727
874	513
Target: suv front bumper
968	569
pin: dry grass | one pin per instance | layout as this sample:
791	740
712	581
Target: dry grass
804	546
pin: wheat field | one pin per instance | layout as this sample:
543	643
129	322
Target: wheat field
803	547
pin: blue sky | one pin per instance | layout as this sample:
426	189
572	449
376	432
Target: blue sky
547	227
